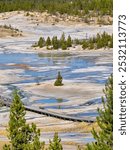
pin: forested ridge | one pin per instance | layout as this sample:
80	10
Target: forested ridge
71	7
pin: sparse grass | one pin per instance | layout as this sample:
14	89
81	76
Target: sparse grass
77	127
9	27
6	30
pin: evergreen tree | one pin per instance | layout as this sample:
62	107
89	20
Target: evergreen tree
85	44
56	143
73	7
41	42
55	42
48	41
69	41
64	46
22	136
104	138
91	45
99	44
58	81
62	39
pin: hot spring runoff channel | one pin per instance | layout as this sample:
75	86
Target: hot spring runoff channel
36	68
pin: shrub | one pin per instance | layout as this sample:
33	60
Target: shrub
56	143
58	81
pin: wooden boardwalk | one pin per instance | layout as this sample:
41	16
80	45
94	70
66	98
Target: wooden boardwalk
7	102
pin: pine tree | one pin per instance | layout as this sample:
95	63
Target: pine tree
69	41
104	138
64	46
58	81
55	42
22	135
85	44
62	39
48	41
99	43
56	143
41	42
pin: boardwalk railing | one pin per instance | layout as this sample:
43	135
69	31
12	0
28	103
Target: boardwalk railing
7	102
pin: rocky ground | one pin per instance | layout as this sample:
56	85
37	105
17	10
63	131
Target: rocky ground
61	19
9	32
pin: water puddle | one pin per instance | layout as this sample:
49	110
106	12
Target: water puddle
49	101
85	114
43	67
92	102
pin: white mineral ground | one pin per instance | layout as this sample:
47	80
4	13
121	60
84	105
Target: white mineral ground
77	93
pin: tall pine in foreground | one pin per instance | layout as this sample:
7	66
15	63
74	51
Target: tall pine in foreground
56	143
22	136
104	138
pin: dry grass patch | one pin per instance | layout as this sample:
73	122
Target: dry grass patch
3	133
75	127
9	31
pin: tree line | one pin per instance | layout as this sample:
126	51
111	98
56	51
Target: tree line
23	136
71	7
54	43
103	40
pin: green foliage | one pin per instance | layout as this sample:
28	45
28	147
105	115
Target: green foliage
48	41
85	44
91	45
62	39
58	81
77	42
104	138
22	136
41	42
110	43
101	40
55	42
71	7
69	41
6	147
64	46
56	143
